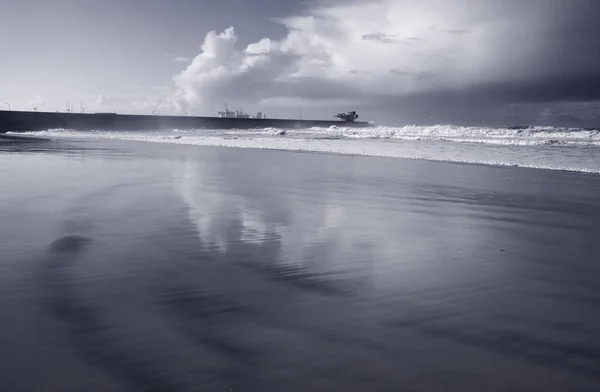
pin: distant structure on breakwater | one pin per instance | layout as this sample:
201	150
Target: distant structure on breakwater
238	114
27	121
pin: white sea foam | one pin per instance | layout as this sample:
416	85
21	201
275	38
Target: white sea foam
537	147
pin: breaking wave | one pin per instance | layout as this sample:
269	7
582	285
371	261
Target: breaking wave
519	136
573	149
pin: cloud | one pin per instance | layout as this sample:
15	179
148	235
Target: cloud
37	103
379	37
181	59
173	103
418	75
222	71
102	100
166	101
358	72
392	50
457	32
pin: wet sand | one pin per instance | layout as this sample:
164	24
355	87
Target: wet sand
131	266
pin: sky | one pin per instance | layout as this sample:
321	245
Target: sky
469	62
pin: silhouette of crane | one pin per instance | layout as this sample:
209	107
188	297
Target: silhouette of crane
350	116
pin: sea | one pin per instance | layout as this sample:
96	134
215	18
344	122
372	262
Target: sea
382	259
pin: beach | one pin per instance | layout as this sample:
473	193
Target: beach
134	266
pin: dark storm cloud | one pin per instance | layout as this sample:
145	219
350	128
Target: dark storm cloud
573	100
548	89
576	87
563	66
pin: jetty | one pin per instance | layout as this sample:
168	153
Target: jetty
27	121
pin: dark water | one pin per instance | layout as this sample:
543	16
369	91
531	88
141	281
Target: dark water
142	267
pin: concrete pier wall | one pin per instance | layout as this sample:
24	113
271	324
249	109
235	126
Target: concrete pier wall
20	121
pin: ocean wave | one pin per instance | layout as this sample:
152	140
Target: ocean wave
517	136
521	136
532	147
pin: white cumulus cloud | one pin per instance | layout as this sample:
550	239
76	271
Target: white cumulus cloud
171	104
